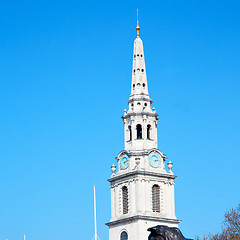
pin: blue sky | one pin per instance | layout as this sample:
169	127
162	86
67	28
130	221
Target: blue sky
65	72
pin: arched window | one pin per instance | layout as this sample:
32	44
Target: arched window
125	199
139	131
148	131
130	133
124	235
156	198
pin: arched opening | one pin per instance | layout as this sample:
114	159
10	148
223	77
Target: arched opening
125	200
148	131
124	235
139	131
156	198
130	133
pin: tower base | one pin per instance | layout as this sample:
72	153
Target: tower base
136	226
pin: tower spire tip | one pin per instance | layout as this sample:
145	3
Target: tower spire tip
137	27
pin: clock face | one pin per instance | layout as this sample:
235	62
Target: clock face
124	161
154	159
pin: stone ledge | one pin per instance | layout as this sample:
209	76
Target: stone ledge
140	173
141	217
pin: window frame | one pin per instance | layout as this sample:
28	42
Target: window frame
156	198
124	232
125	206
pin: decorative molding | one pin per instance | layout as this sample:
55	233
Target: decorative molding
141	217
141	173
140	99
130	114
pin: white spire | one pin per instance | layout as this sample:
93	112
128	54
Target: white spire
142	191
140	121
139	78
139	86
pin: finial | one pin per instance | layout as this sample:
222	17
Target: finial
137	27
113	167
170	167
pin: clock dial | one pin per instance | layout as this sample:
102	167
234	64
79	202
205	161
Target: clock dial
154	159
124	161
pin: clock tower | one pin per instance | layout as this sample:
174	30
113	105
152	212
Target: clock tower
142	190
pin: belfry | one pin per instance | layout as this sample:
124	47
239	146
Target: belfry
142	189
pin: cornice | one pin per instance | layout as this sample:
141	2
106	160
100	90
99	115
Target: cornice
142	217
141	153
129	114
131	99
141	173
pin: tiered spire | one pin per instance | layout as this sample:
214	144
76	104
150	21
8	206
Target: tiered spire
139	86
140	120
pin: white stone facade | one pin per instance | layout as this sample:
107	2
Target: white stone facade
142	190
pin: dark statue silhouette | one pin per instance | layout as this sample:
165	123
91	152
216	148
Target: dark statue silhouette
162	232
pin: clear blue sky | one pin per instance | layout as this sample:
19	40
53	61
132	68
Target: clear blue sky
65	72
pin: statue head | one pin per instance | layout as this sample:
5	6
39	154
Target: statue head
162	232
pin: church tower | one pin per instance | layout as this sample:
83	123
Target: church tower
142	190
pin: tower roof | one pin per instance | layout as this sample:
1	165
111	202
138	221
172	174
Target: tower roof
139	86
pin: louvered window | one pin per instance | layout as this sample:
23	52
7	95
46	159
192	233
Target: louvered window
124	236
156	198
125	199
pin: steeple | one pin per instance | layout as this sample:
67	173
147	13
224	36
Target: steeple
140	120
139	86
142	190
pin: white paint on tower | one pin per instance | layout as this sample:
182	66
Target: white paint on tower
142	190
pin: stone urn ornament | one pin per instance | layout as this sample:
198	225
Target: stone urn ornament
113	168
170	164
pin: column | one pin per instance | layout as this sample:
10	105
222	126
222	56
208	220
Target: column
112	202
